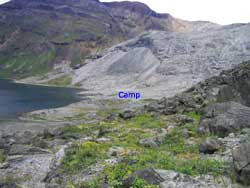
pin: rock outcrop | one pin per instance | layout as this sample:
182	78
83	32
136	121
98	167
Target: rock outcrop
225	118
241	161
172	179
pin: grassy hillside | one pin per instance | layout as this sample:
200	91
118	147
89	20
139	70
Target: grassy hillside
36	35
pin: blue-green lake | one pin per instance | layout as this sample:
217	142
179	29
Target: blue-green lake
16	98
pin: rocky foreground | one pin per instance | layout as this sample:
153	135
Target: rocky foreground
196	139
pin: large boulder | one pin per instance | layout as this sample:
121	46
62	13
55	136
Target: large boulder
210	146
241	163
225	118
149	175
174	179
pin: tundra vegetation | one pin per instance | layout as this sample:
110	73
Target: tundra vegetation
174	153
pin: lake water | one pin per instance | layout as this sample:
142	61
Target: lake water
16	98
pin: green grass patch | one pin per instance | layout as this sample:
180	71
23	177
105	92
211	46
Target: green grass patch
85	130
65	80
14	179
26	65
194	115
2	156
116	174
145	121
175	153
82	155
190	164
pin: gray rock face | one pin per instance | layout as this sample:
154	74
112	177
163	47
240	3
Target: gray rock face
25	149
180	103
224	118
160	63
55	163
241	161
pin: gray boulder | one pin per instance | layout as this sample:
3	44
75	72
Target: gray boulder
210	146
225	118
174	179
127	114
241	163
149	175
155	141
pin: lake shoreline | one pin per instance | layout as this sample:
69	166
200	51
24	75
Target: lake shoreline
19	98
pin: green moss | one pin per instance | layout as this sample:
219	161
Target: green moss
14	179
27	64
80	129
194	115
82	155
2	156
65	80
106	112
145	121
140	183
95	183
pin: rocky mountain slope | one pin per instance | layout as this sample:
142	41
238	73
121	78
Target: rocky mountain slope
163	63
39	36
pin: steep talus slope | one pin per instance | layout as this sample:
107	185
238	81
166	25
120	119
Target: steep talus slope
37	36
172	62
229	86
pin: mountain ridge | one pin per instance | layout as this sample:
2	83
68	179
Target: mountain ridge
39	35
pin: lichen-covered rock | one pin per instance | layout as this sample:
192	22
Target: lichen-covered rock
241	162
225	118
